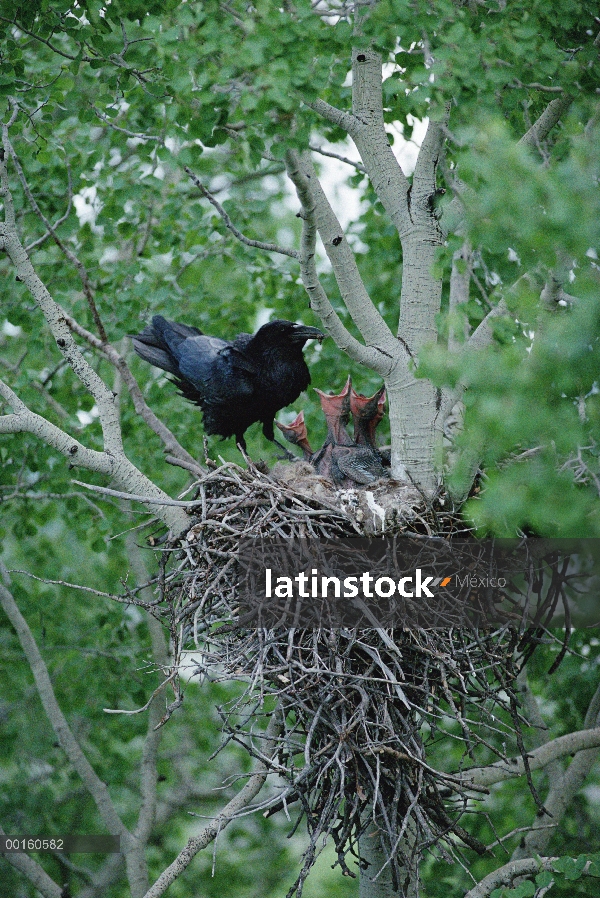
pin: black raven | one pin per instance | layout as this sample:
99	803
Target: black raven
235	383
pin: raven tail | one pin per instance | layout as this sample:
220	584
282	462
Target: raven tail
158	342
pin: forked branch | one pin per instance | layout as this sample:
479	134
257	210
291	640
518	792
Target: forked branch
382	351
237	804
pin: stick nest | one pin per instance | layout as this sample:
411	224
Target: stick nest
354	713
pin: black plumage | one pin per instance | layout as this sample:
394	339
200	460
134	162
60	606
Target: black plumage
235	383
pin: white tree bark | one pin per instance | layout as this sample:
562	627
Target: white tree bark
132	847
564	787
376	879
415	419
562	746
112	461
223	818
381	351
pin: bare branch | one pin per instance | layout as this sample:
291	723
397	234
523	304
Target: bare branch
553	294
535	85
95	786
113	460
571	743
357	165
548	119
564	787
383	350
134	134
25	421
229	813
483	334
44	41
506	875
105	400
553	769
95	592
115	465
63	217
130	497
258	244
149	771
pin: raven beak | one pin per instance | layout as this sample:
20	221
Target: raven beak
303	332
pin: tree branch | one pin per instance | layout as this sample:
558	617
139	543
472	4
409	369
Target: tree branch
357	165
107	408
460	279
383	350
505	875
258	244
550	117
109	352
51	230
554	769
45	41
224	818
564	787
349	123
25	421
62	218
94	785
424	176
482	336
319	301
386	175
540	757
112	465
160	654
113	460
33	871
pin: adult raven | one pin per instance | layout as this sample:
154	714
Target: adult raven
235	383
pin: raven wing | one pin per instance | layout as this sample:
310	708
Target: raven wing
159	343
359	463
219	372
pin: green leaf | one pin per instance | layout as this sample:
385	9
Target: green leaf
571	867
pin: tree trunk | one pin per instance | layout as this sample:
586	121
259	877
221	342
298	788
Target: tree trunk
373	885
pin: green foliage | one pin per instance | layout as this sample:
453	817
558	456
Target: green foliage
537	418
566	871
114	99
508	809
